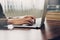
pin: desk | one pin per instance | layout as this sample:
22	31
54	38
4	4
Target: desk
21	34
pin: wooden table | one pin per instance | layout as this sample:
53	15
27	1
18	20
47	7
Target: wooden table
53	25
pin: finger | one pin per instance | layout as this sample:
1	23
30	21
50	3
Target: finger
27	22
32	17
31	21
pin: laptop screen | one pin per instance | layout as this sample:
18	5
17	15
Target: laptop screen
21	8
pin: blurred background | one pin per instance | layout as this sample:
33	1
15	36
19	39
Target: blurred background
54	5
23	7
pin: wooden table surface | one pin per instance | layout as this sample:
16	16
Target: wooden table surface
53	24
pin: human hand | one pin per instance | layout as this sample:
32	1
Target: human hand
26	20
32	17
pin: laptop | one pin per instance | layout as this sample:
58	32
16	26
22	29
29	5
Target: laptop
20	8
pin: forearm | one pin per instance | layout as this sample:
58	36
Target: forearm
10	21
15	21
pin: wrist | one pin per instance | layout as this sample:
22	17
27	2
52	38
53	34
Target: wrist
9	21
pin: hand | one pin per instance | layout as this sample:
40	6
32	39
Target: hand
25	20
32	20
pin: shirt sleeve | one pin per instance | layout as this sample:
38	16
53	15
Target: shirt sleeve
1	12
3	20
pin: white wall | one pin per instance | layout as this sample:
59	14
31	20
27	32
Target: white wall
23	7
27	4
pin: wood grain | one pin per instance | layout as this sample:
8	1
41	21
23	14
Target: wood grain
53	21
53	15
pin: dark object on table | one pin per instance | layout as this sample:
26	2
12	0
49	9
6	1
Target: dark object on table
56	38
